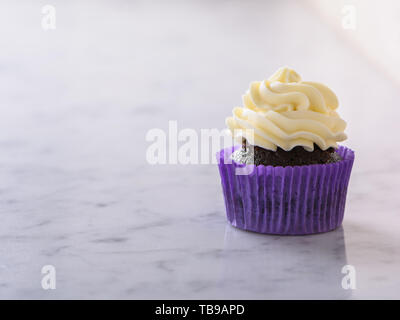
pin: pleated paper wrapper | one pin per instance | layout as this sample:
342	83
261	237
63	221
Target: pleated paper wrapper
295	200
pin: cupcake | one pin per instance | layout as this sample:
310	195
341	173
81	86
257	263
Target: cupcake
287	175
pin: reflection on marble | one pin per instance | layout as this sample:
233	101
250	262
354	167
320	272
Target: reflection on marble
285	267
76	191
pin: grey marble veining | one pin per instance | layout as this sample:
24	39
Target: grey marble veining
77	193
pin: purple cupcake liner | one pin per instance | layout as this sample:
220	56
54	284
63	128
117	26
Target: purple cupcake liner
296	200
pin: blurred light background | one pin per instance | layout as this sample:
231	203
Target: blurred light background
112	61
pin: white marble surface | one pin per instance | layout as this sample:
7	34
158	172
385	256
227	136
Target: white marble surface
76	191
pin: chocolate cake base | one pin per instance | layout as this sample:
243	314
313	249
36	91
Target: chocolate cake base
298	156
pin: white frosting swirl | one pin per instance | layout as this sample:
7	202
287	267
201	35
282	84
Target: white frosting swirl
286	112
